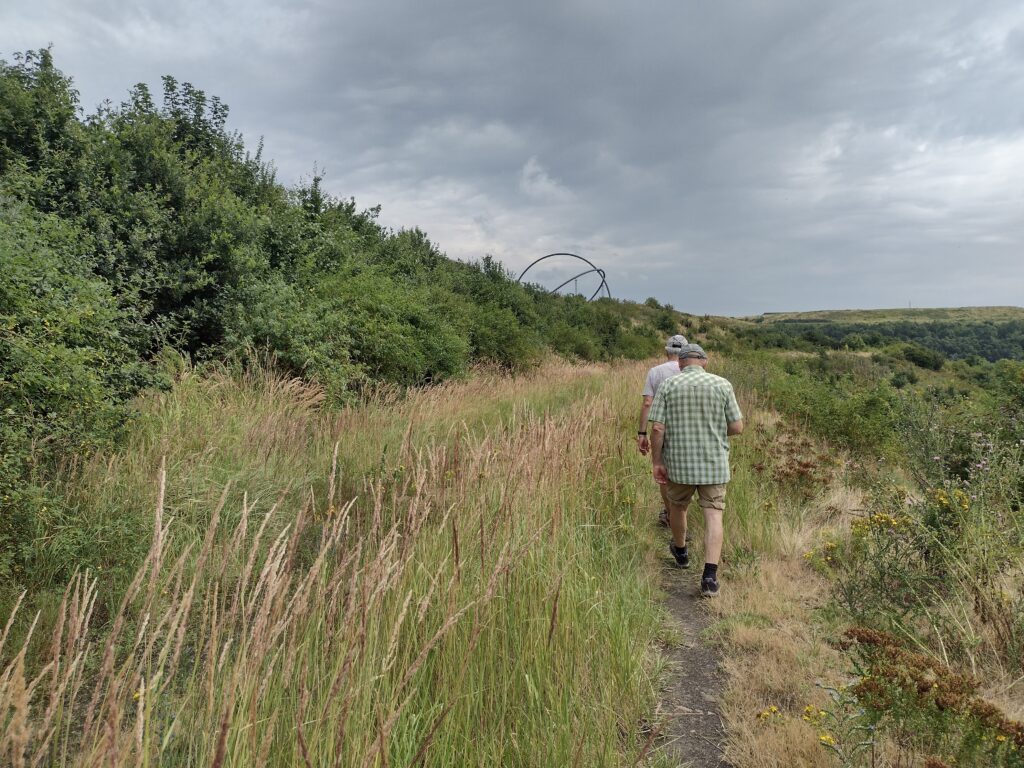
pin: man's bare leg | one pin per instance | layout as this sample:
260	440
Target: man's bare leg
666	504
677	521
713	534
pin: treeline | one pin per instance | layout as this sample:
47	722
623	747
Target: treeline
147	232
959	340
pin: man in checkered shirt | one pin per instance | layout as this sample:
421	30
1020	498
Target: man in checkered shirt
655	376
692	417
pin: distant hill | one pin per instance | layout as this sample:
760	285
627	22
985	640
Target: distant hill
923	315
992	333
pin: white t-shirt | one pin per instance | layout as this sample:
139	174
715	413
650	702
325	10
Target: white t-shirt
658	374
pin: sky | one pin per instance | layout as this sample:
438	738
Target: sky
724	157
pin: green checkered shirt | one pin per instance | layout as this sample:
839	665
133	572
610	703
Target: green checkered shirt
696	408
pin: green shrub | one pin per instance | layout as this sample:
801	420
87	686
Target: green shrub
923	357
858	418
573	342
900	379
147	227
305	337
66	368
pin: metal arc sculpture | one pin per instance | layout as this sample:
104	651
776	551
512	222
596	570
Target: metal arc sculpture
593	269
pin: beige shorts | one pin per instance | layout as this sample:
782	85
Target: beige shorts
708	496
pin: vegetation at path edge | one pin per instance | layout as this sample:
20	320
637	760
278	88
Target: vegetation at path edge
146	233
453	577
914	538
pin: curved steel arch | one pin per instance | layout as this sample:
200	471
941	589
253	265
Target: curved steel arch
603	284
593	268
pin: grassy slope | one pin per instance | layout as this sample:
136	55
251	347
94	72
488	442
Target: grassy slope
489	597
469	581
782	616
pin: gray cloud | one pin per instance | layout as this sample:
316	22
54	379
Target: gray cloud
730	158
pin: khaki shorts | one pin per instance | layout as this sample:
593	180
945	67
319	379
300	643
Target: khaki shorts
708	496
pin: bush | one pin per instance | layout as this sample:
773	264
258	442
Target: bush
148	227
861	418
900	379
923	357
573	342
66	367
304	337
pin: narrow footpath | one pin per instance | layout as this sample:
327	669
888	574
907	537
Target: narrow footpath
692	732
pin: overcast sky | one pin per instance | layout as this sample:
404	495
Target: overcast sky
726	157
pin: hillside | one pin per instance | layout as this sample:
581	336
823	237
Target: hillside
919	315
990	333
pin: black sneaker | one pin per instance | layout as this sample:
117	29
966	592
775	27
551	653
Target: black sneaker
663	518
708	586
682	556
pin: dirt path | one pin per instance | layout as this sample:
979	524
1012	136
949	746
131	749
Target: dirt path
692	733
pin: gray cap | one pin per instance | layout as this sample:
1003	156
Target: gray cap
675	344
693	350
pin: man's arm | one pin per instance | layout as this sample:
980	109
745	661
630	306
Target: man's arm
733	416
657	445
642	441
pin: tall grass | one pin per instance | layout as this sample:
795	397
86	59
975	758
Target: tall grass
459	577
922	553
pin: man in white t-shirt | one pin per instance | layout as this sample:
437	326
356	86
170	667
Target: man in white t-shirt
655	376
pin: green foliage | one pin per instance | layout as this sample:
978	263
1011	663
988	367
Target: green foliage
843	398
929	341
923	357
302	334
667	322
37	110
900	379
66	367
148	227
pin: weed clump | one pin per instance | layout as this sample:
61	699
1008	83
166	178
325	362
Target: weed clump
928	706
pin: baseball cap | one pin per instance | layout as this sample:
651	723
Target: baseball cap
693	350
674	344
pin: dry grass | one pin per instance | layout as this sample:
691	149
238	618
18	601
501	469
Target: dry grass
774	657
450	578
778	618
775	642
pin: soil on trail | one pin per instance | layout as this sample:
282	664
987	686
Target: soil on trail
692	733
